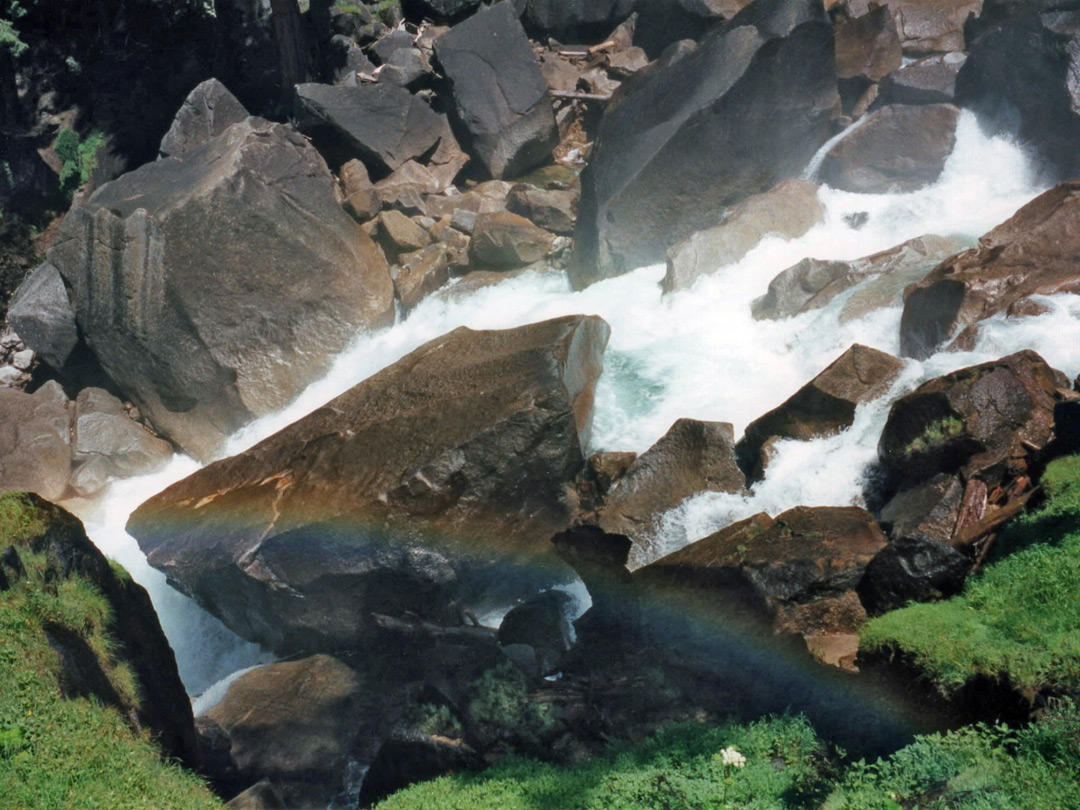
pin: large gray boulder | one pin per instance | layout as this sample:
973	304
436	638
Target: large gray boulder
35	444
499	93
427	488
568	16
748	108
383	124
208	111
42	315
213	288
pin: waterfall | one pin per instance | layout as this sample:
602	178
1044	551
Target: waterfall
696	353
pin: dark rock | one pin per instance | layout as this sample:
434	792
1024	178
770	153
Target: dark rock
823	407
986	421
569	17
899	147
404	760
542	624
1033	252
868	47
299	722
163	709
933	25
419	274
1004	62
1026	308
263	795
748	108
503	239
813	283
912	569
930	80
361	199
928	510
42	315
35	444
691	457
346	60
663	22
104	433
383	124
624	64
169	275
396	40
422	486
405	67
499	93
552	210
208	111
446	9
789	210
755	568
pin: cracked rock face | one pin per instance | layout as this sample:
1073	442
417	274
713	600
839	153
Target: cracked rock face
215	287
431	485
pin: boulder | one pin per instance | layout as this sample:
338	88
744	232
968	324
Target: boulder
542	624
757	568
823	407
42	314
691	457
912	569
550	209
987	421
608	467
404	759
35	444
420	273
361	199
933	26
499	93
448	9
382	124
405	67
899	147
813	283
399	234
748	108
1019	50
1033	252
930	80
406	187
103	431
416	492
661	23
345	60
788	210
928	510
484	198
569	17
213	288
208	111
301	723
502	239
868	47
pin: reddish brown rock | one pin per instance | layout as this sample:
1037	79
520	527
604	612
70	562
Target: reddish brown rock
824	406
867	47
420	273
928	26
1036	251
502	239
361	200
691	457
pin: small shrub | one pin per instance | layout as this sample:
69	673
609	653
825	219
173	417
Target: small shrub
935	433
79	157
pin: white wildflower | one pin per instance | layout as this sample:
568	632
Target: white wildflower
729	756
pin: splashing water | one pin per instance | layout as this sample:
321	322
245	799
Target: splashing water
696	353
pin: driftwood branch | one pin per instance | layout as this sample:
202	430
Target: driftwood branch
574	94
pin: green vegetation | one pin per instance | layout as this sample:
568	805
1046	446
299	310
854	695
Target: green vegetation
79	157
678	769
936	433
59	752
10	12
1017	620
978	768
499	707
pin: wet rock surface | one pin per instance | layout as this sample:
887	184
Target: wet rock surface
468	445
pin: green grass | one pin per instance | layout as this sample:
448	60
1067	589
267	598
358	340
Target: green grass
975	768
1019	619
935	433
676	770
59	752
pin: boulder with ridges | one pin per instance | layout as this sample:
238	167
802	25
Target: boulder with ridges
692	457
824	406
1033	252
208	111
213	288
746	109
430	486
499	93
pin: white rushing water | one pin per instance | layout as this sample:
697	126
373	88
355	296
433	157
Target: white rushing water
696	353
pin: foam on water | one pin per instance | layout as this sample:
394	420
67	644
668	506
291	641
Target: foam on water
696	353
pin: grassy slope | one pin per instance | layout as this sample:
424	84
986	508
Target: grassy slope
1018	619
70	753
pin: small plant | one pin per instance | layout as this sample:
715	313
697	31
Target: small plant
730	760
935	433
434	720
78	157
